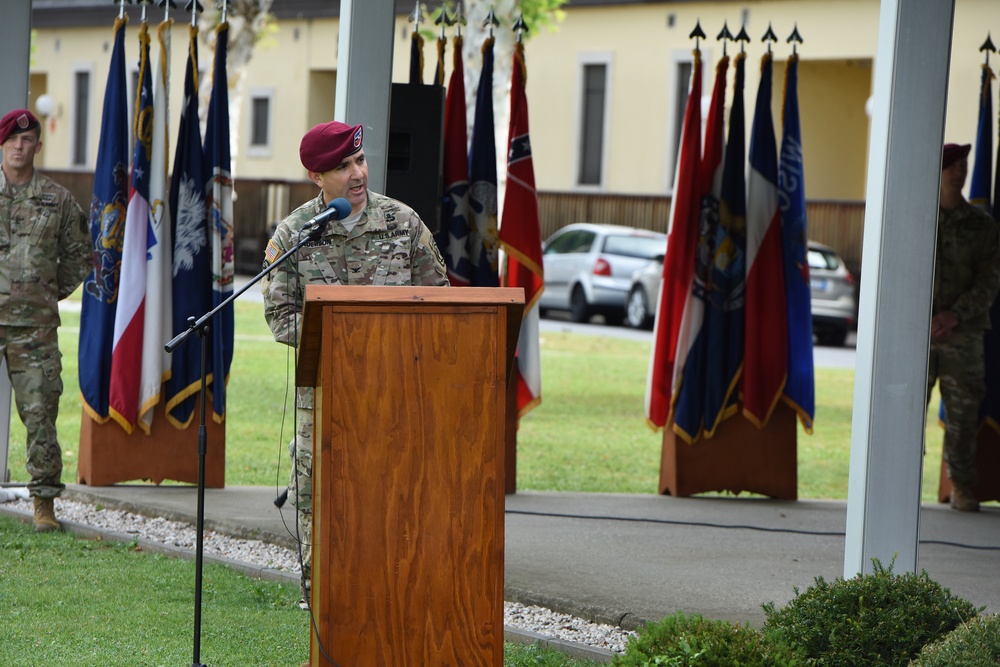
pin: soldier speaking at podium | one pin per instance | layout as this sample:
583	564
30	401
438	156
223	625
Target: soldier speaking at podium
381	242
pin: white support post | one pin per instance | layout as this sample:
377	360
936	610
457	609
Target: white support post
364	77
904	175
15	35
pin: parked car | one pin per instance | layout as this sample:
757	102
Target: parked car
588	268
834	300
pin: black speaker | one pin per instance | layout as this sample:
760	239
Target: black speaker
415	151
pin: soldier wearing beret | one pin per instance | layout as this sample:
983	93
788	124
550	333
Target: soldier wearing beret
45	253
966	279
382	242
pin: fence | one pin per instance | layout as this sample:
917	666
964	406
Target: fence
260	204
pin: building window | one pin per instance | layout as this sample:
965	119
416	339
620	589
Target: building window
593	113
260	122
81	116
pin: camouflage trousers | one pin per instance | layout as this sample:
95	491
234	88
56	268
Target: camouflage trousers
34	364
300	481
957	365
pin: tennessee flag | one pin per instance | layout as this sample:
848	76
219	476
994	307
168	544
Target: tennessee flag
800	387
765	351
521	238
191	267
107	227
126	354
678	265
219	205
157	324
690	388
483	239
453	239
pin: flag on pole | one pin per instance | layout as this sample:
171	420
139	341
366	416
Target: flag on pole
453	239
157	324
678	265
219	205
689	388
191	264
126	352
521	238
442	42
800	391
982	165
765	352
416	54
725	316
107	227
483	239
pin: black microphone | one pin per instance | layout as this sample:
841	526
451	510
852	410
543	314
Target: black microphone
338	209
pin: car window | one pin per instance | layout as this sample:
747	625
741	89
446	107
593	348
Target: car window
578	240
822	259
642	247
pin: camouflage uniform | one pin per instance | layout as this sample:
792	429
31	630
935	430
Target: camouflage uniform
390	245
45	253
966	278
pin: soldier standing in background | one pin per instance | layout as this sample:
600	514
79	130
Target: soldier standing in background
966	278
45	253
382	242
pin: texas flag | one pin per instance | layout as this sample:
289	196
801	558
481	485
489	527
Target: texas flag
765	351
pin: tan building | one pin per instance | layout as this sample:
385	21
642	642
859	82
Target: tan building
606	90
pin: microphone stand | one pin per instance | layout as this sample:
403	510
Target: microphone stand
200	326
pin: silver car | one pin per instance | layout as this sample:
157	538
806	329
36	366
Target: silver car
834	298
589	267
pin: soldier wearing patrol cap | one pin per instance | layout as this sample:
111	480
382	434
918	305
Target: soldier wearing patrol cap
45	253
966	279
382	242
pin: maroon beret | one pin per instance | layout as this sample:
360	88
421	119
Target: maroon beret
953	153
16	122
326	145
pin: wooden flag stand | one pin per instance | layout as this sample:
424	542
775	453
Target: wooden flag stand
987	466
109	455
739	458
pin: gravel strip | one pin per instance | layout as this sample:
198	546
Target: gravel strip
533	619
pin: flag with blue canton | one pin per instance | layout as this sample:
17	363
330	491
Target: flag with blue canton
800	392
484	239
192	267
219	205
107	228
453	239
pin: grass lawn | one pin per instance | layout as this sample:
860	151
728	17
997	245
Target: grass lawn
589	434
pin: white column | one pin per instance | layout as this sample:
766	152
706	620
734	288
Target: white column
15	35
364	77
904	174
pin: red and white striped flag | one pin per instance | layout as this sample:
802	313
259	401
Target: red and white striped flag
765	358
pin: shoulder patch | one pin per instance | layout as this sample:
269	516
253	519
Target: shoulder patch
270	252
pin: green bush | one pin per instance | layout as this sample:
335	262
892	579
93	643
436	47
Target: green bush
693	641
972	644
875	620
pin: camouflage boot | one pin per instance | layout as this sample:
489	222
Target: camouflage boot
45	515
962	499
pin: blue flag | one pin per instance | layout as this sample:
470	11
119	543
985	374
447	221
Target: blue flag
982	164
725	313
191	266
800	391
484	238
989	410
107	229
219	191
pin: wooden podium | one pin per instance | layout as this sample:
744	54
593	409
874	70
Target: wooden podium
408	478
738	458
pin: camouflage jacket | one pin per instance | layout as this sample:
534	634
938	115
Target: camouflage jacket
966	266
45	251
390	245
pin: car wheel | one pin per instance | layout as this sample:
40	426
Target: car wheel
637	309
832	337
579	310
